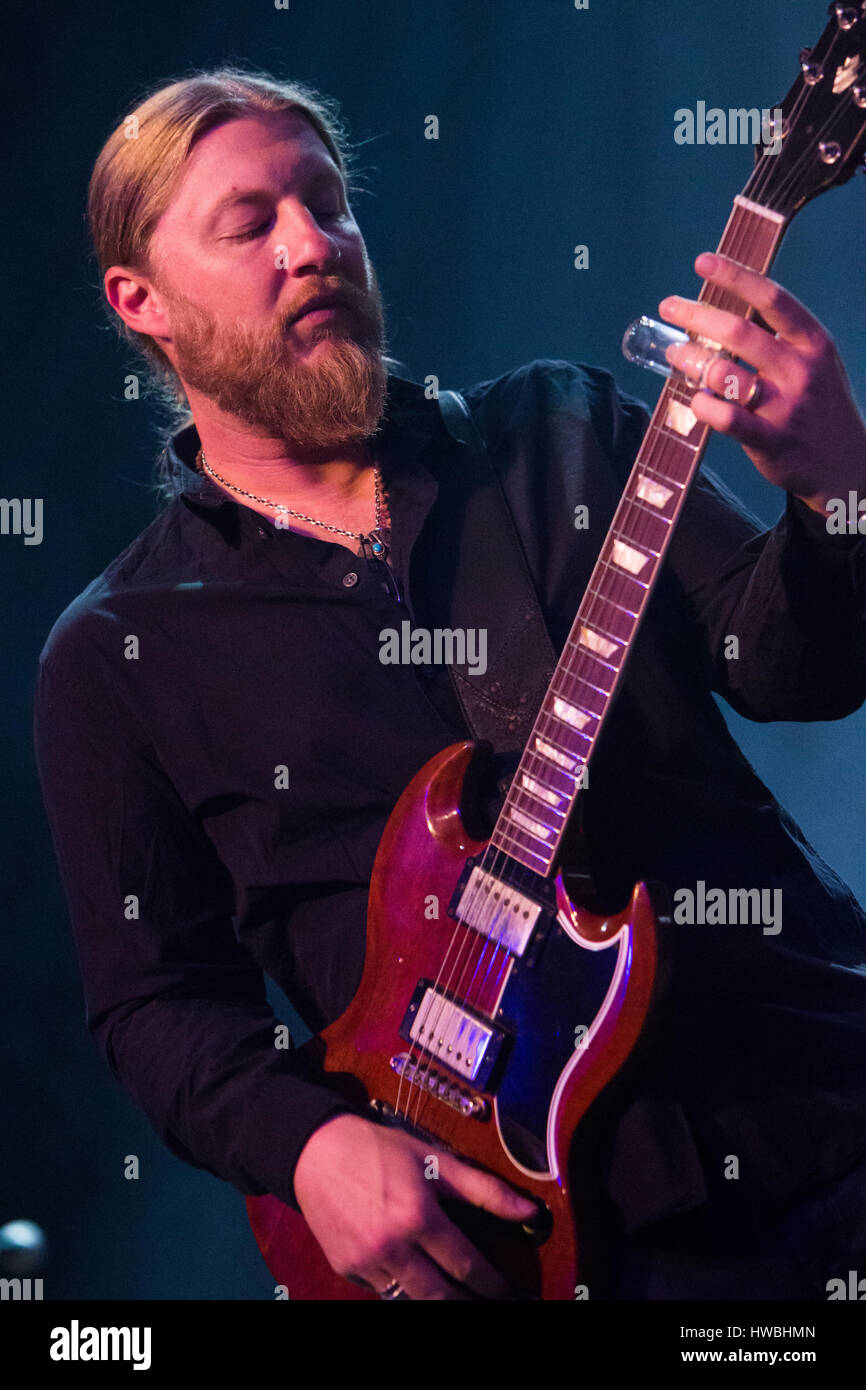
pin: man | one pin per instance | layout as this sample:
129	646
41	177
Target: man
220	744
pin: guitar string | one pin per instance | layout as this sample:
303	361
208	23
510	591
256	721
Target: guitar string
494	944
464	992
826	130
643	537
838	110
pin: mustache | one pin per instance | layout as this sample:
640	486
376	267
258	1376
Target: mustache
358	301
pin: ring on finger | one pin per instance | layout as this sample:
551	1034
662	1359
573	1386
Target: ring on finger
755	392
394	1290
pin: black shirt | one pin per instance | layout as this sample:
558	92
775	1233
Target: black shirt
220	746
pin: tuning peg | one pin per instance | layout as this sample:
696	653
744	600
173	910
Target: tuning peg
812	72
846	16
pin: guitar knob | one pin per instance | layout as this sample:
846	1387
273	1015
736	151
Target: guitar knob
540	1225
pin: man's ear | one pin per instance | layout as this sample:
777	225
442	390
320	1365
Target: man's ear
133	296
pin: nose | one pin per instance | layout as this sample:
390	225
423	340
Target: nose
307	245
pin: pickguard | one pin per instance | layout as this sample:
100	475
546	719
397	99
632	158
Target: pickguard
544	1005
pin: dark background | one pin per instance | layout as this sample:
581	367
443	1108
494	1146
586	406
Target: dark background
556	128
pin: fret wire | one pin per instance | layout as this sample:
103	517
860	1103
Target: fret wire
573	675
609	564
545	769
650	511
674	437
607	599
622	592
629	501
509	831
583	710
531	811
636	528
584	651
630	540
539	773
549	737
559	747
575	645
649	463
520	791
660	477
584	680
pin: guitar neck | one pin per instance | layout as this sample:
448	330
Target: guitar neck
552	769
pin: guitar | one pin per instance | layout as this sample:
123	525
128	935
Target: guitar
493	1029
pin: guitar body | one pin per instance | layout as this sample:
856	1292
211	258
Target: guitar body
561	1019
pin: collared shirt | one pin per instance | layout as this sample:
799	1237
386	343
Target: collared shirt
220	746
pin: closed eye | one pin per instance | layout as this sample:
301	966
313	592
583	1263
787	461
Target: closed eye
332	214
253	232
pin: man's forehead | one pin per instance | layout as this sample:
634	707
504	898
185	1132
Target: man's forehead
219	163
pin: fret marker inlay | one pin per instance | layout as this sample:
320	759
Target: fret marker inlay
681	418
541	832
543	793
596	643
569	714
628	558
648	490
554	755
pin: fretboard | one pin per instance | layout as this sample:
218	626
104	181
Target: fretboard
551	772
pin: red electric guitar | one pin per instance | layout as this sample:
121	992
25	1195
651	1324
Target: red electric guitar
491	1029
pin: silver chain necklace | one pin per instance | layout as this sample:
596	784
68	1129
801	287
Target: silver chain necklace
375	538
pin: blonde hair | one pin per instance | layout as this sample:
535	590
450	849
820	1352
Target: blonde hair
140	164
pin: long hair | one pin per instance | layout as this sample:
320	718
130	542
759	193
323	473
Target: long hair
139	166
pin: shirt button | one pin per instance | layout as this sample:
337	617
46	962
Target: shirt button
350	579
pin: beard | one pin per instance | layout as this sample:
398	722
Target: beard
335	399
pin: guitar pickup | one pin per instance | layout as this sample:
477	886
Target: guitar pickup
466	1043
502	911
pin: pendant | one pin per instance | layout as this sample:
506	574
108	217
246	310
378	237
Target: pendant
378	544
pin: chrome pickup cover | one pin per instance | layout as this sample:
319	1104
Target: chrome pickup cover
498	911
463	1041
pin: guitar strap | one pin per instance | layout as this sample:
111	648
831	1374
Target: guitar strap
501	705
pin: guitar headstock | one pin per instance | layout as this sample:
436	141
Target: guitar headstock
823	132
